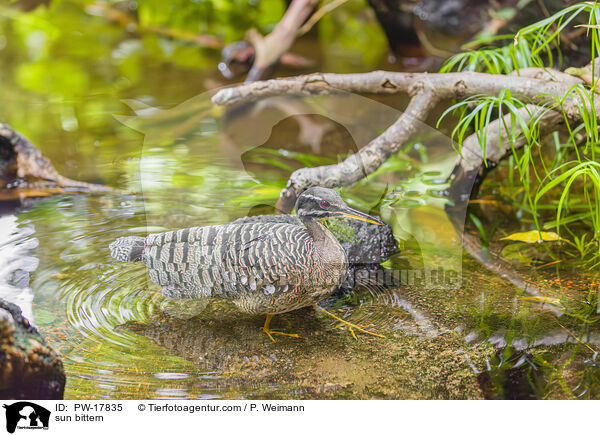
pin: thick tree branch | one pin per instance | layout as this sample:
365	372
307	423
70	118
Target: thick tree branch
499	142
446	85
549	74
534	86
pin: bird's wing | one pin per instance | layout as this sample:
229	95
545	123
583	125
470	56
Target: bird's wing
261	219
229	259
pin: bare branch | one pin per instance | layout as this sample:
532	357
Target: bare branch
270	48
470	169
499	142
446	85
548	74
536	87
367	159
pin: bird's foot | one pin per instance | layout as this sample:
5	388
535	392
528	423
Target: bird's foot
348	325
270	333
352	327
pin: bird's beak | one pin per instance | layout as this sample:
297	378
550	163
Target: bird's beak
355	214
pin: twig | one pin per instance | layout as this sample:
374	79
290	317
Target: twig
128	22
318	15
270	48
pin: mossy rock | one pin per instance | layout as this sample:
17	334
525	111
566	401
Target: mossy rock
29	367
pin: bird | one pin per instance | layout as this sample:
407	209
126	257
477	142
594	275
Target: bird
264	268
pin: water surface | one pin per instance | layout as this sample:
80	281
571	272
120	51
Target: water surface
139	119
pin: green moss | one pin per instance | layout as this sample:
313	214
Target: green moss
340	228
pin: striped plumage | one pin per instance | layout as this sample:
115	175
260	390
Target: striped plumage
264	267
370	246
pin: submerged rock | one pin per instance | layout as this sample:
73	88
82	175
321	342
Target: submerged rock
29	367
366	245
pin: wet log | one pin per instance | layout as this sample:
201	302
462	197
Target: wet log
25	172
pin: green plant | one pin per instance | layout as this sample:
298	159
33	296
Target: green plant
485	235
565	176
536	45
566	181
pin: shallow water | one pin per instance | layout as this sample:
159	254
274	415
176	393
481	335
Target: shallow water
182	162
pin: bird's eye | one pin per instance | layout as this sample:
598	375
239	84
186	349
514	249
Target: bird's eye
325	204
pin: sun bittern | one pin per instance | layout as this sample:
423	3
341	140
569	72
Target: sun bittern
264	268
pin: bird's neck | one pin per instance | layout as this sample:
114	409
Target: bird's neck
327	248
320	235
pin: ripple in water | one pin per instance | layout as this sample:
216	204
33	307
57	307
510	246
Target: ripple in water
83	298
18	262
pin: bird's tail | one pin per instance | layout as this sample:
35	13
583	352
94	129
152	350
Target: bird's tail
128	248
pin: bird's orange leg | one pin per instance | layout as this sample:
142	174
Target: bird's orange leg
350	326
270	332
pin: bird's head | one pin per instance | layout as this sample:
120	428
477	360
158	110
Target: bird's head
318	203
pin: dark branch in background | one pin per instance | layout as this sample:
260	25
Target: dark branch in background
124	19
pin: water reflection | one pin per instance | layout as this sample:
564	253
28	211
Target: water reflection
17	245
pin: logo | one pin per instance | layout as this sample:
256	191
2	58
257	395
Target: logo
26	415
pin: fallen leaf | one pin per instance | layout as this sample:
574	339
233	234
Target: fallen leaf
543	299
533	237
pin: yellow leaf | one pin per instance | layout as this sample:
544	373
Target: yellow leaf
267	191
543	299
533	237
